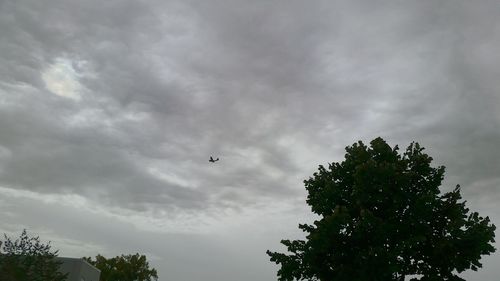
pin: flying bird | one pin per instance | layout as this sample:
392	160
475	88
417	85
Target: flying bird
213	160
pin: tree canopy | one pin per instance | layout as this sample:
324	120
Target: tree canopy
124	268
27	259
383	217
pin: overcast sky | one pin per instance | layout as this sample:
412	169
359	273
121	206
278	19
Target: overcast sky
109	111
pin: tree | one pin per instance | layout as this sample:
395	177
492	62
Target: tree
124	268
27	259
382	217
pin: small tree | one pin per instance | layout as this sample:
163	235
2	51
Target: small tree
27	259
382	217
124	268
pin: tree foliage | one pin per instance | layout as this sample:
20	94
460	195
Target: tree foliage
382	217
124	268
27	259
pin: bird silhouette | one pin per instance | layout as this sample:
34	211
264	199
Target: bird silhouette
213	160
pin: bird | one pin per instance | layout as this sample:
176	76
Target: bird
213	160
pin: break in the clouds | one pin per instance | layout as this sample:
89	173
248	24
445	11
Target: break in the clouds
110	110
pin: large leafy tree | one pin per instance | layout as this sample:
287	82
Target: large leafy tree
382	217
28	259
124	268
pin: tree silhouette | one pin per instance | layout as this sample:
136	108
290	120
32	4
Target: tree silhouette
27	259
124	268
382	217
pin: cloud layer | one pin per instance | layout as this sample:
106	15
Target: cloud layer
110	110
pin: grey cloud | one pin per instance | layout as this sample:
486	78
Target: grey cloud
273	88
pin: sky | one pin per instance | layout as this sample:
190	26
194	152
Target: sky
109	111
